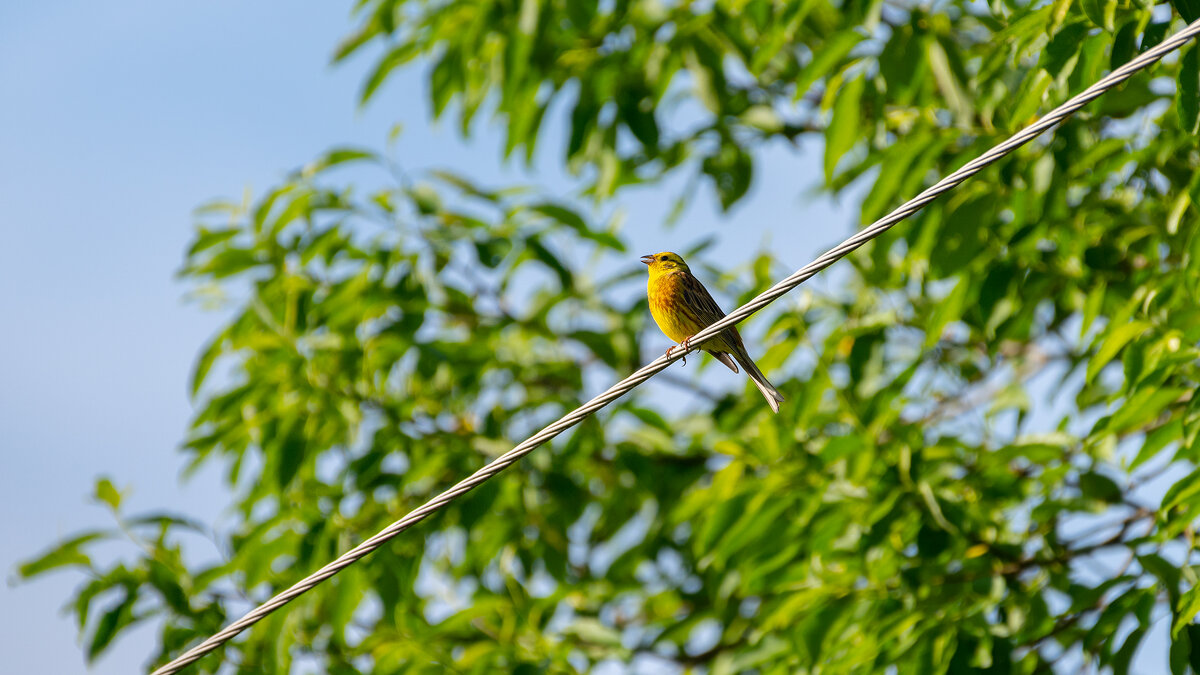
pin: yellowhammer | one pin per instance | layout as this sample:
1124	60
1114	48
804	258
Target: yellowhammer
682	307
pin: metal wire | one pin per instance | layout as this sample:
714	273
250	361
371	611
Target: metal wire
646	372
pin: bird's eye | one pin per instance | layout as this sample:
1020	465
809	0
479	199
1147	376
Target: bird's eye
663	259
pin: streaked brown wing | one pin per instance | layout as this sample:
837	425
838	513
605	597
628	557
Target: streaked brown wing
699	301
697	298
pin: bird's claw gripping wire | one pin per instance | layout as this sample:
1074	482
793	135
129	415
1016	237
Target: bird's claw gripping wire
686	346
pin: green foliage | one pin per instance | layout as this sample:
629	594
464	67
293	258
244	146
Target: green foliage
970	419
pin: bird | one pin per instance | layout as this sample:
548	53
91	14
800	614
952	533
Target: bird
682	307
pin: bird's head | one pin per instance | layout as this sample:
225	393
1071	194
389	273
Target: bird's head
664	263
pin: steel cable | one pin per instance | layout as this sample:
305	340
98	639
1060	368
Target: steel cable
646	372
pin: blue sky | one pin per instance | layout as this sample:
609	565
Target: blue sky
119	119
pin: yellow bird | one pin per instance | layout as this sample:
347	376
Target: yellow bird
682	307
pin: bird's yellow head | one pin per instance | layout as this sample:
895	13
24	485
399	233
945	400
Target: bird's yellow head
664	263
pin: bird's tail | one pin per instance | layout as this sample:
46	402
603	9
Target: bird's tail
769	392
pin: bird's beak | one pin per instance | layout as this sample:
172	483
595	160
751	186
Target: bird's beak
648	259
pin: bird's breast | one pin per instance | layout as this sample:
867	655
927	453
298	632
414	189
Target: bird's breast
665	295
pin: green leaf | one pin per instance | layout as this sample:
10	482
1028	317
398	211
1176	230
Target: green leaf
1027	105
1185	489
996	286
118	616
565	278
290	451
893	171
229	262
600	344
351	43
562	214
337	156
205	362
825	59
583	120
1064	47
1100	12
593	631
949	74
842	132
1124	44
396	57
902	63
466	186
1189	606
575	222
65	554
107	493
948	309
1124	656
1128	99
491	252
1188	9
208	238
651	418
164	520
1193	634
1153	35
166	582
1142	408
1180	653
1099	487
1187	95
1157	440
1115	340
636	109
1167	574
443	82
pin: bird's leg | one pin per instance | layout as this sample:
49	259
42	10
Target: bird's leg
686	346
671	350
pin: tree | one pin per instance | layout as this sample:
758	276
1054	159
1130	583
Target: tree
969	422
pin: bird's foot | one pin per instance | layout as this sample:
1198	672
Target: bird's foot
686	346
671	350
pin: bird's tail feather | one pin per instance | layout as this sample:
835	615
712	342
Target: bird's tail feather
769	392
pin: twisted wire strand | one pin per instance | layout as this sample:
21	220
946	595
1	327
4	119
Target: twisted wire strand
646	372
